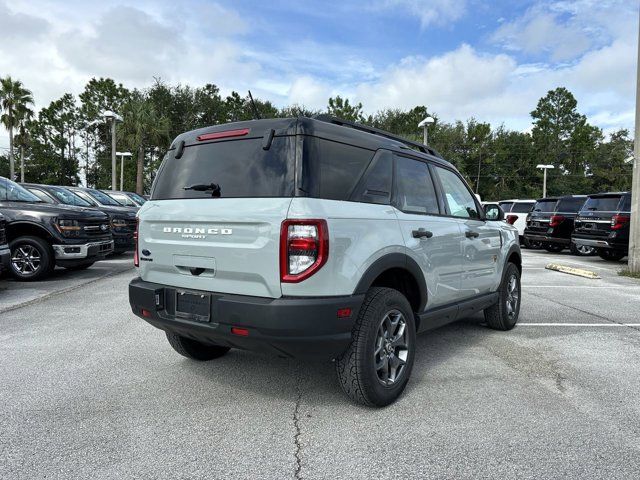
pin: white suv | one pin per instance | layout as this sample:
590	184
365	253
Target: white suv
318	238
515	212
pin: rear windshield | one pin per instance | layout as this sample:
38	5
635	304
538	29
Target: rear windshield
227	169
506	206
602	204
570	205
545	206
521	207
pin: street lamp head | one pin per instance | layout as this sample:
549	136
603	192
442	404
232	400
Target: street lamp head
109	115
124	154
426	122
544	166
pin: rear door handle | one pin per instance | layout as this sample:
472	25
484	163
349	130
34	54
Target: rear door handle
422	233
471	234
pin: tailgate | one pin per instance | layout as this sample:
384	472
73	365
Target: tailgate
218	245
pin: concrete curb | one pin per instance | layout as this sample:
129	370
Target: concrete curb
580	272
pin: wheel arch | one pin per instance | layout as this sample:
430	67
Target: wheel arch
399	271
25	228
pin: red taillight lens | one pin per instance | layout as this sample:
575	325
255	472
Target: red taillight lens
241	332
619	221
511	219
556	220
304	249
136	258
225	134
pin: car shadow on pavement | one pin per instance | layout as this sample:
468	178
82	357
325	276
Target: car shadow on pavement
315	382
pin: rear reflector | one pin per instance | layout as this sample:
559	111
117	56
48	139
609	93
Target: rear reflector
146	313
344	313
243	332
225	134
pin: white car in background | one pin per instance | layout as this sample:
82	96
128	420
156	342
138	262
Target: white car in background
515	213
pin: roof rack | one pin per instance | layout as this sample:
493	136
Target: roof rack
376	131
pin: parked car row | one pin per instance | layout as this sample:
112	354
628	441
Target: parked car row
585	224
47	226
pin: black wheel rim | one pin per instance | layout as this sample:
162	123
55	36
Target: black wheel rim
391	348
26	259
513	297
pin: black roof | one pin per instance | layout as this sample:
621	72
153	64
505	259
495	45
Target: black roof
610	194
324	126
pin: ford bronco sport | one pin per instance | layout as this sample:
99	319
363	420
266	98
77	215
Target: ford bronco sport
317	237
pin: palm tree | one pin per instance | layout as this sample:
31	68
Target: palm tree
22	140
143	127
14	99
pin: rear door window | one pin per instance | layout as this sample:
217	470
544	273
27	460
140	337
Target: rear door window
240	168
602	204
415	191
375	185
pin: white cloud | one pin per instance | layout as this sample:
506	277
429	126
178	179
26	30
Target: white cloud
438	12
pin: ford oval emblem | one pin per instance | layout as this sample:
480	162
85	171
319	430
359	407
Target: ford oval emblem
146	252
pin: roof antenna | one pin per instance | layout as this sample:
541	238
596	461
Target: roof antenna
256	113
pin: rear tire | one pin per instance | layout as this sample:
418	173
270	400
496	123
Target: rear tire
553	248
375	369
32	259
582	250
532	244
195	350
611	255
504	314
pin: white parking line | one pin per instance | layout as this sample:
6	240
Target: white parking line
579	286
532	324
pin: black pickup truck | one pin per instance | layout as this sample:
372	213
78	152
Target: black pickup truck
42	236
5	254
604	223
121	218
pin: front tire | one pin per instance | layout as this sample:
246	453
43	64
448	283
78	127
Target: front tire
504	314
31	259
611	255
193	349
375	369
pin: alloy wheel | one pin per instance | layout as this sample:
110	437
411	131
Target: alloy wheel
513	297
391	348
26	259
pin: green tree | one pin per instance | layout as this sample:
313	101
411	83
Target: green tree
15	101
342	108
143	128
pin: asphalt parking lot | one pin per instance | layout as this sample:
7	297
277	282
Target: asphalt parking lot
90	391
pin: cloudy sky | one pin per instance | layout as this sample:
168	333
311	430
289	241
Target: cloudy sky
460	58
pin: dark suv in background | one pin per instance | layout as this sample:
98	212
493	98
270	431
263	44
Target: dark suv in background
43	235
551	222
603	223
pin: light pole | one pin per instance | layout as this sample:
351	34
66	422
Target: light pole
112	117
544	181
424	124
122	155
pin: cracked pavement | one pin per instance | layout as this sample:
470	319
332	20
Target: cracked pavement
89	390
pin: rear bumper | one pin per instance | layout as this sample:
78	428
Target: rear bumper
540	237
298	327
5	258
600	242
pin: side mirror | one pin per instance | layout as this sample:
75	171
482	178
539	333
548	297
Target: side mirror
493	212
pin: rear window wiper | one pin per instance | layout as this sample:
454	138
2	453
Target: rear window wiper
214	188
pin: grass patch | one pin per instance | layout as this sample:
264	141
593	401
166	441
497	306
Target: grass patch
626	273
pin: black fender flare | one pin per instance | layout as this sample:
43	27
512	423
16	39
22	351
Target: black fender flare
11	226
394	260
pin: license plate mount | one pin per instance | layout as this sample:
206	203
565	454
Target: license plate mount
193	306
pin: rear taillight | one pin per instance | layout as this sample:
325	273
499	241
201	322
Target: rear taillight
556	220
304	248
136	258
618	221
511	219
